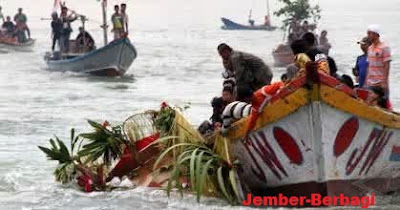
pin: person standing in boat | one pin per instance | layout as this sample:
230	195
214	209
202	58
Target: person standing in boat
66	30
378	57
267	21
118	23
360	70
56	27
125	18
1	15
21	19
324	44
249	69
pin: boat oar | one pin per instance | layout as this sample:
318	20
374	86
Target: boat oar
81	17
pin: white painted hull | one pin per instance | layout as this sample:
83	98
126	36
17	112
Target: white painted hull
319	146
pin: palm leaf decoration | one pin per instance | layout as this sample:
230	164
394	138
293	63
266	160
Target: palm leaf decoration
104	143
66	158
207	171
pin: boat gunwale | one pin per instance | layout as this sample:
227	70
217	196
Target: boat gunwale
289	100
124	40
231	26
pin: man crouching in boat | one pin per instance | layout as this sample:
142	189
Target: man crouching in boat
84	41
249	69
9	27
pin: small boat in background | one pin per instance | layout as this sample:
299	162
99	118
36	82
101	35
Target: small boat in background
114	59
13	44
230	25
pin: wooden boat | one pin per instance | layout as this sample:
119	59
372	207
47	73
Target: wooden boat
113	59
283	56
13	44
316	136
230	25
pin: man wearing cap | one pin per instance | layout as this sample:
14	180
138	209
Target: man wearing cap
378	58
360	70
250	70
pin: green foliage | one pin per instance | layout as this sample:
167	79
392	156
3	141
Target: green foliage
104	143
207	171
65	172
164	120
298	10
165	117
59	152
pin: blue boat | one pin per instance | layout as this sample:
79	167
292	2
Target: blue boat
113	59
230	25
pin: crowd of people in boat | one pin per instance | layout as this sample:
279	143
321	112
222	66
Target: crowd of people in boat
62	29
247	79
297	31
15	29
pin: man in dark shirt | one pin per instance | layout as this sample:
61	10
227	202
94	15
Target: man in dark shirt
312	51
9	26
249	70
56	26
84	39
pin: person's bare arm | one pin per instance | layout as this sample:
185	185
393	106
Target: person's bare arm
386	68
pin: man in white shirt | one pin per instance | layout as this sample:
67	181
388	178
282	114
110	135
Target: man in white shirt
125	18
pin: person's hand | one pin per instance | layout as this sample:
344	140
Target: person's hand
355	72
384	86
217	126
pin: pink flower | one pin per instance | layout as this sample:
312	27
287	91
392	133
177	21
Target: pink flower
164	104
105	123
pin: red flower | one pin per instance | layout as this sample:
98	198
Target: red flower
105	123
86	182
164	104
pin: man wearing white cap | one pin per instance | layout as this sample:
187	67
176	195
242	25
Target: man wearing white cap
379	58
